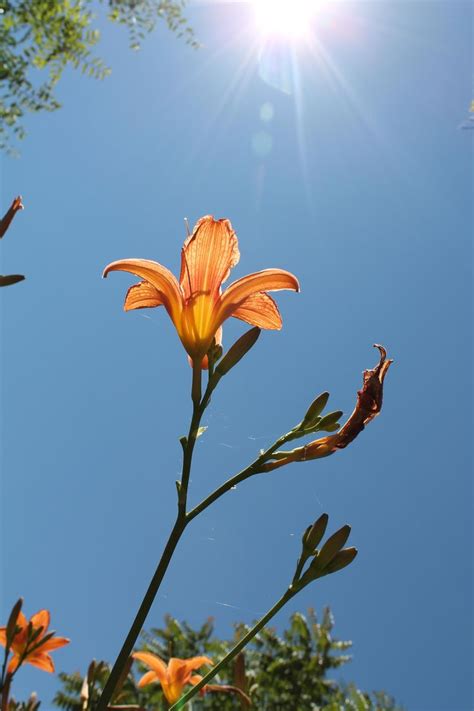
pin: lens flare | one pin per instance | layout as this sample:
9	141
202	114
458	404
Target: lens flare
288	18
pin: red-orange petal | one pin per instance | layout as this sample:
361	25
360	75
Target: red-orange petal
155	663
259	310
41	619
142	296
149	677
3	636
41	661
54	643
158	276
266	280
207	257
197	662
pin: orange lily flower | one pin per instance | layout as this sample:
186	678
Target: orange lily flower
172	677
34	652
195	303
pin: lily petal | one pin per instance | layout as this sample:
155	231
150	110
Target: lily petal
3	636
259	310
53	643
142	296
154	662
158	276
240	290
42	661
41	619
207	257
148	678
197	662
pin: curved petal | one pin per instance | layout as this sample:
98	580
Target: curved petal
41	619
195	679
142	296
3	636
240	290
148	678
259	310
54	643
158	276
42	661
197	662
207	257
154	662
178	672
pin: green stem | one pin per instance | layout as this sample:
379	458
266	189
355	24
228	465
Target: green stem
182	521
141	615
6	693
173	540
234	651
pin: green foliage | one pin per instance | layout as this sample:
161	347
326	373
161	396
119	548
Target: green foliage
288	672
40	38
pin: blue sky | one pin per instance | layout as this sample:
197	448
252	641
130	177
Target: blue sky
359	182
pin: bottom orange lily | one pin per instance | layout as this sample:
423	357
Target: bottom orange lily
174	676
32	642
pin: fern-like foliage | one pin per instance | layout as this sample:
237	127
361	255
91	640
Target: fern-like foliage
280	672
50	35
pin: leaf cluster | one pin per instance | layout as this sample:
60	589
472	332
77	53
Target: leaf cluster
40	38
281	672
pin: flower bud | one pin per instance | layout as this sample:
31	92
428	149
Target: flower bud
315	533
332	546
314	410
341	560
237	351
329	420
11	624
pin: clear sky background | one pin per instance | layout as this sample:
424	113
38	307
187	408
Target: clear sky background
359	182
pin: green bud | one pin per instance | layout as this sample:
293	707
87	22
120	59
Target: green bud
314	410
316	532
332	546
341	560
10	279
91	672
12	620
332	428
329	420
237	351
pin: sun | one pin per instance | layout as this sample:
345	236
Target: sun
288	18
